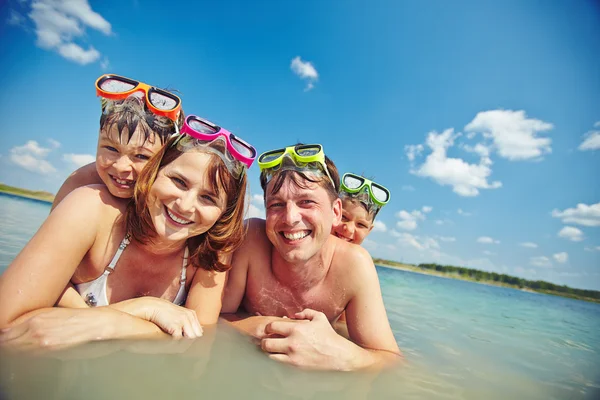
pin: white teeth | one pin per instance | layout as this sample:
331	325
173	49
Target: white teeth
122	181
178	220
296	235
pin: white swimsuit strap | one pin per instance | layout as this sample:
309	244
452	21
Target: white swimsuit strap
186	254
111	267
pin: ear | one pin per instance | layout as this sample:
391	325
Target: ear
337	211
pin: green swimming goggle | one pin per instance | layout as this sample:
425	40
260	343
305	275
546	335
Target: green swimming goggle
303	157
352	183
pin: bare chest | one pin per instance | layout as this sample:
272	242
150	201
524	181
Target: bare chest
267	296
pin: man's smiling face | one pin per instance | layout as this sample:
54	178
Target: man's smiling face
300	218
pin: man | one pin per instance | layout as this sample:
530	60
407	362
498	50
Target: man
291	266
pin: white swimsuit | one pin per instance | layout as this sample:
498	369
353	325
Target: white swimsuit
94	292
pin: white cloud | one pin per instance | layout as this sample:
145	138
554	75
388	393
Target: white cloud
466	179
55	144
529	245
305	70
420	243
412	151
581	215
523	271
540	261
408	220
255	212
379	226
447	238
256	206
395	233
591	139
561	258
571	233
426	209
514	135
463	213
597	248
76	53
104	64
59	22
79	160
31	156
487	240
439	222
15	19
489	253
408	188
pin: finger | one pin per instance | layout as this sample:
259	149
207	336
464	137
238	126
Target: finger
195	323
282	328
284	358
309	314
271	345
187	329
176	332
12	333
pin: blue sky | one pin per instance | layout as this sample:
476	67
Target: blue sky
483	118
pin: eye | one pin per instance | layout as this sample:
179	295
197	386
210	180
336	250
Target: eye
344	218
110	148
178	182
306	202
142	157
209	198
275	205
362	226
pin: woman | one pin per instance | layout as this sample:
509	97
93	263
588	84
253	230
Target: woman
189	199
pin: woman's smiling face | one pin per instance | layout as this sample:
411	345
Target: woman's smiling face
182	202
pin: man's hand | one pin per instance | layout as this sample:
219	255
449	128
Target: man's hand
310	344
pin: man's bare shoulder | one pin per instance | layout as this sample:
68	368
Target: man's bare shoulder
86	175
352	260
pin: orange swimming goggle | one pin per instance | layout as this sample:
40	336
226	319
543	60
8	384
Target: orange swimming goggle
159	101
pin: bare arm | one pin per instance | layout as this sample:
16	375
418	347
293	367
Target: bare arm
83	176
41	271
206	293
235	287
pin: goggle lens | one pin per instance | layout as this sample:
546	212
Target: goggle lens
161	101
116	86
352	182
379	193
201	127
307	151
268	157
241	147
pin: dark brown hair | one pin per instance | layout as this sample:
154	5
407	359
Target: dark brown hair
133	113
225	235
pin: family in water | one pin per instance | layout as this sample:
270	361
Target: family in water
150	240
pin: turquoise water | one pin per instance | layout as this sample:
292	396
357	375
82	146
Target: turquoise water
461	341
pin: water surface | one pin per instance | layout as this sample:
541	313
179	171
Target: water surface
461	340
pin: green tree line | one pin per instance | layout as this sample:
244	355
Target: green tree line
485	276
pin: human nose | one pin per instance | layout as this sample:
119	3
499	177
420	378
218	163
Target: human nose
123	164
186	202
349	228
292	214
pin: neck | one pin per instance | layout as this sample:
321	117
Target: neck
303	275
163	248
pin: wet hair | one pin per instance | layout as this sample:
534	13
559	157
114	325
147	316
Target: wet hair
372	209
225	235
300	178
133	114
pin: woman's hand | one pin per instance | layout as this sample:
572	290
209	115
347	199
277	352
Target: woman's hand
59	328
175	320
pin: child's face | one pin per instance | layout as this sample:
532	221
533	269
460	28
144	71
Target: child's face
356	222
119	162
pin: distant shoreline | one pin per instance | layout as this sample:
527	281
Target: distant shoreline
419	270
41	196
